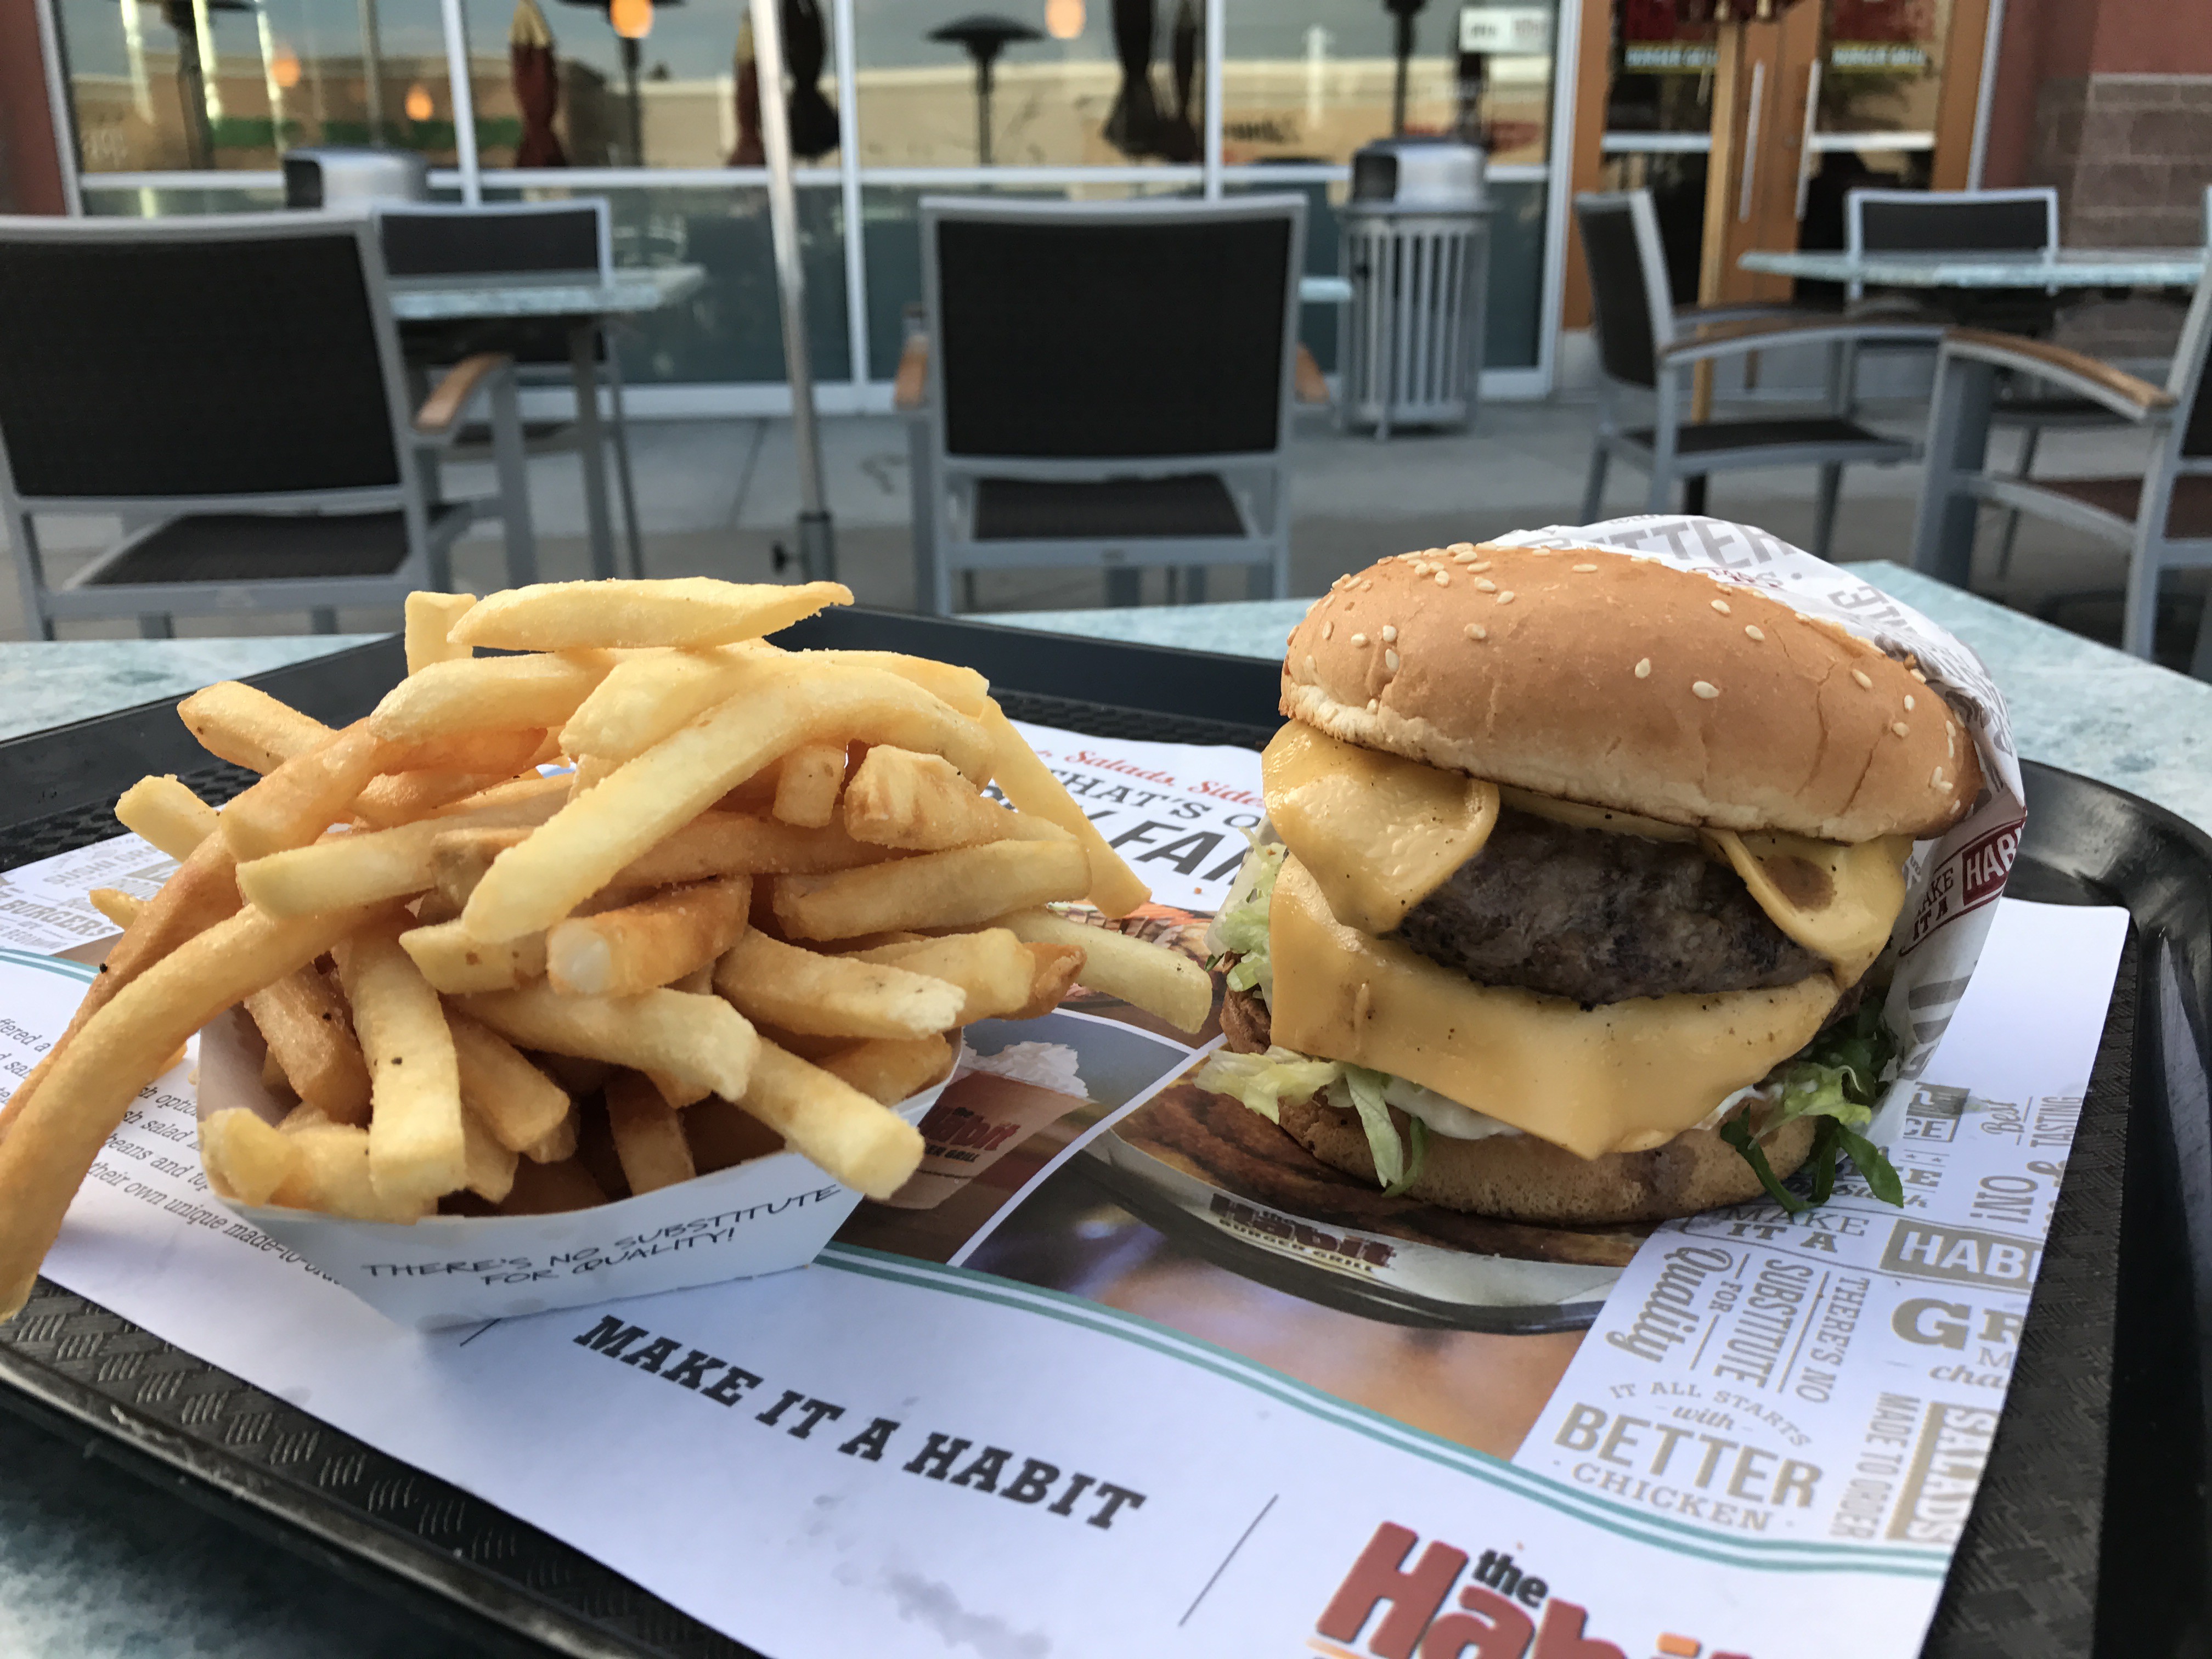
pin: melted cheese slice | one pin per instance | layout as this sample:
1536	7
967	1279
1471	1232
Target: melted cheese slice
1838	902
1621	1076
1389	831
1581	816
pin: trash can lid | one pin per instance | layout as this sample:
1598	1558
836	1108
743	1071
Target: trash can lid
1421	172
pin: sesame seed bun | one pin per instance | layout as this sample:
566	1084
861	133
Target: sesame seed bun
1522	1178
1598	677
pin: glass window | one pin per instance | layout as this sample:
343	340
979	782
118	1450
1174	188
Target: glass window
731	330
229	84
1071	83
1659	70
1314	80
664	83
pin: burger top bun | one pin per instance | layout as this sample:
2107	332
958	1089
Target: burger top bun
1625	683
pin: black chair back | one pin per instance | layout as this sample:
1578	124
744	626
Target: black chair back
192	359
1948	222
1620	291
530	237
1069	331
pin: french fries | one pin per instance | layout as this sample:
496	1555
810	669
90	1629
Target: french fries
248	727
778	984
118	907
546	990
309	1031
966	885
1143	975
166	812
431	621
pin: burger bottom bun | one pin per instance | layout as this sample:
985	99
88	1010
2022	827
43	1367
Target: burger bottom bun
1519	1177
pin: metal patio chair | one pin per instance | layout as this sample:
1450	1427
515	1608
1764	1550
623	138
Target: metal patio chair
1108	384
2162	517
521	239
232	386
1645	345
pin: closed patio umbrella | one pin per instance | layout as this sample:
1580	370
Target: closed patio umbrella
536	76
1133	125
805	44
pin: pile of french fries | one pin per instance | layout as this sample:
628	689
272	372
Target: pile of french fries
754	912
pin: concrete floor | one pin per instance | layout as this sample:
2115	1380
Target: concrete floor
716	496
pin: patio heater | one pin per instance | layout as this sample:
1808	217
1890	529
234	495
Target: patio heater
983	38
1403	13
631	20
191	22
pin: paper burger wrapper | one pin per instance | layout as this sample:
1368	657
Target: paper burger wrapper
1953	882
759	1217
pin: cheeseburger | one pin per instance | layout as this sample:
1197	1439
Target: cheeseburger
1580	865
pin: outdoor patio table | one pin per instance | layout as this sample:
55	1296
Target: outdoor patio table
584	305
93	1561
2064	268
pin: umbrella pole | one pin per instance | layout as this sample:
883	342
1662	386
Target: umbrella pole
1720	191
817	547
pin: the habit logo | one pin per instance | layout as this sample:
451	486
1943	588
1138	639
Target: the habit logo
1398	1602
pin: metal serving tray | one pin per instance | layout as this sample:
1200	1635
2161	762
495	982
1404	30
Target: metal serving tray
2108	1415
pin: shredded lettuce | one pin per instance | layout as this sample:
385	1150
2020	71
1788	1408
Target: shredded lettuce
1241	927
1264	1081
1834	1079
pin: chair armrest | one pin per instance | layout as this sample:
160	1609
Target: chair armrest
442	409
2114	388
910	385
1740	339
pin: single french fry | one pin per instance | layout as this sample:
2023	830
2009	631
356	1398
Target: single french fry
244	1158
202	892
167	813
851	1138
552	1188
416	1149
962	687
308	1029
649	695
558	1143
768	981
1056	968
992	969
330	1174
649	1134
659	940
248	727
98	1071
699	1040
430	619
374	864
118	907
402	797
920	803
517	1102
487	1164
302	798
479	694
591	772
806	1047
1029	783
501	752
808	783
589	841
892	1069
1145	975
304	1116
675	1092
737	844
456	964
955	888
691	611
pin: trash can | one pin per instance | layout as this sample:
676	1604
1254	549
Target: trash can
354	178
1417	249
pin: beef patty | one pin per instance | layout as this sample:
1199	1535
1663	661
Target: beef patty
1599	917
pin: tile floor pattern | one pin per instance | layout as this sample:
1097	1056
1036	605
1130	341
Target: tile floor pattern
716	496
